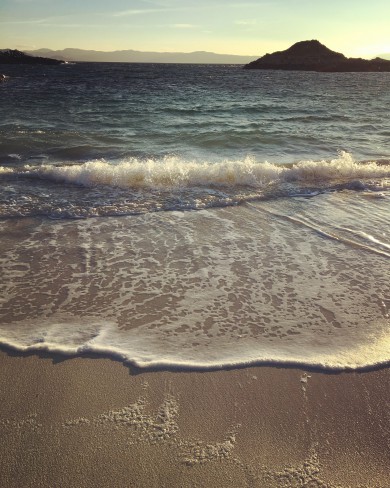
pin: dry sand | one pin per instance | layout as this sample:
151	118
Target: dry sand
89	422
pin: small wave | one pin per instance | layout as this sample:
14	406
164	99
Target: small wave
6	171
342	168
104	340
169	172
174	172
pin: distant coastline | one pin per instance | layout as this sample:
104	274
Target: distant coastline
45	56
131	56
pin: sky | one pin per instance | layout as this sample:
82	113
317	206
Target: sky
249	27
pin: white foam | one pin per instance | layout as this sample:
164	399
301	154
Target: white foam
142	349
207	289
342	168
173	171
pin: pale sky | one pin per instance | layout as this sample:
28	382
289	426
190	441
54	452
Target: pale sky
353	27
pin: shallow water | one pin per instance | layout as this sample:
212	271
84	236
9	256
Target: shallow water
264	282
196	216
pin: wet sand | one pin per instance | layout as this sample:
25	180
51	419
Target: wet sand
91	422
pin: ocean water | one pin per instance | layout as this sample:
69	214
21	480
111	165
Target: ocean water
196	216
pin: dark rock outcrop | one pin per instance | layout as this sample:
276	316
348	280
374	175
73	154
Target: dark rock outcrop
314	56
13	56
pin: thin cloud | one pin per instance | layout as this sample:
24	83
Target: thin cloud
245	22
250	4
184	26
26	22
58	21
130	12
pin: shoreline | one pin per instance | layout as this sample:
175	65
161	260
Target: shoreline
88	421
59	356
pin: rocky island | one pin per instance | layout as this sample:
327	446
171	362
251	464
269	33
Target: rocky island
13	56
314	56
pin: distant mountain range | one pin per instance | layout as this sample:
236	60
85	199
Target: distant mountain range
131	56
314	56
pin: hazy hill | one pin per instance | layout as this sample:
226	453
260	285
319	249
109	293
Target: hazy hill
130	56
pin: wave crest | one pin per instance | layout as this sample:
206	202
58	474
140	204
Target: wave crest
174	172
344	167
168	172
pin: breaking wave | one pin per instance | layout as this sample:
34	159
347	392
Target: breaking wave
174	172
136	186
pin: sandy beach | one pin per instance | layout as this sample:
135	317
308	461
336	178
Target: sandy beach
88	422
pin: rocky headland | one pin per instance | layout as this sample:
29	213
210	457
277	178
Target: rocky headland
314	56
13	56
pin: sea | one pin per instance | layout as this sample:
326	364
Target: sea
196	216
